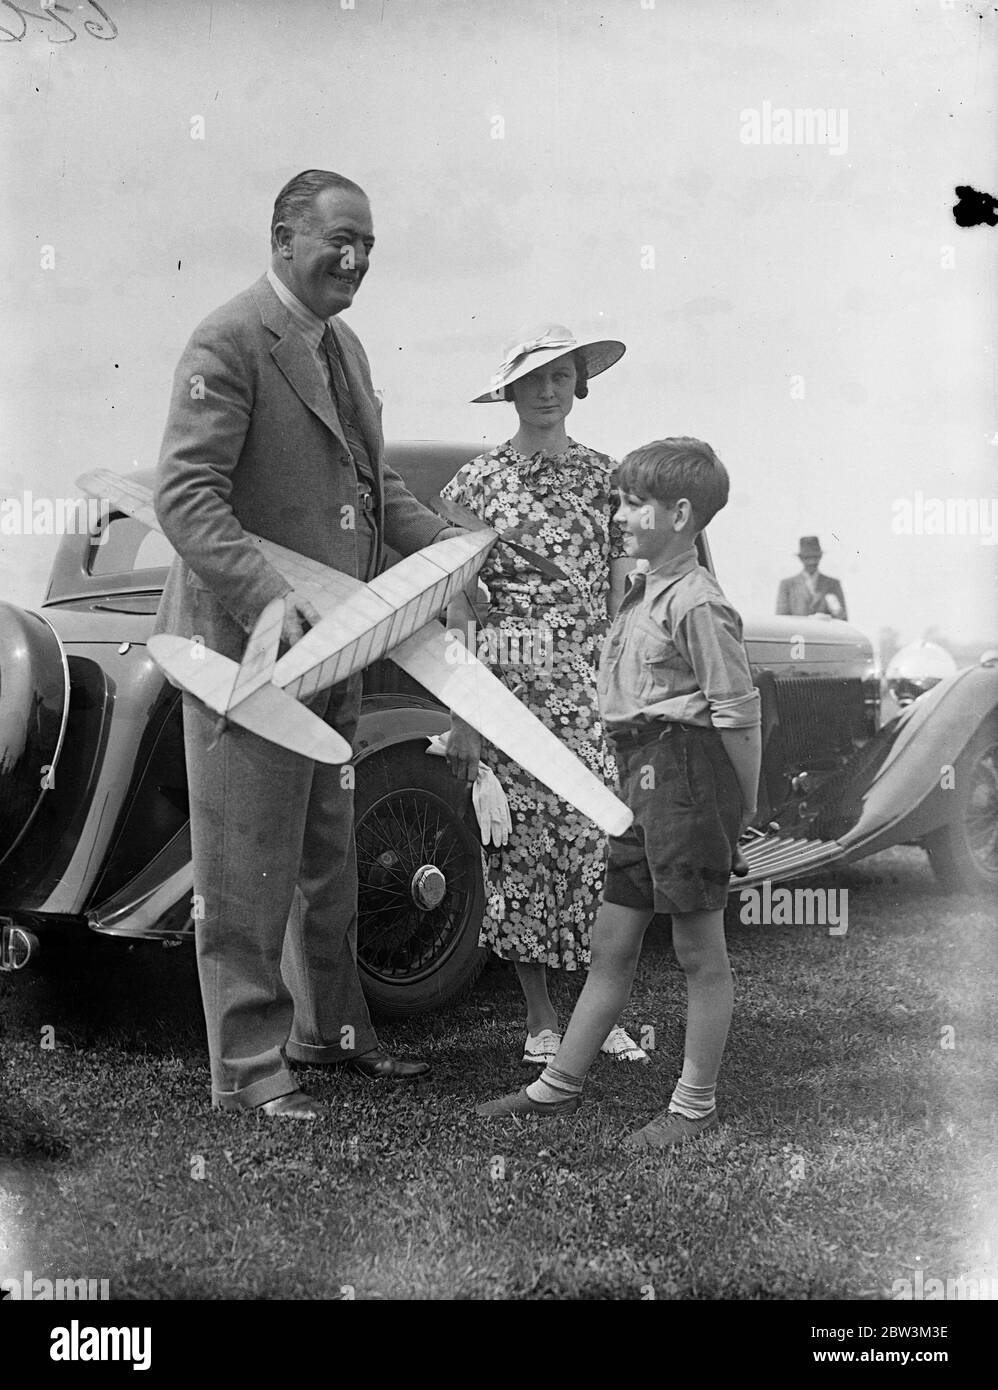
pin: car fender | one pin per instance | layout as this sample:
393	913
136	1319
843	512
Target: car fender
384	725
34	712
154	904
907	796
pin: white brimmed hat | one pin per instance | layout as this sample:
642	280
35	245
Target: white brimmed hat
539	345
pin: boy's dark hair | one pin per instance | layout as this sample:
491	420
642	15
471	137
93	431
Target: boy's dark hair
668	469
294	202
581	378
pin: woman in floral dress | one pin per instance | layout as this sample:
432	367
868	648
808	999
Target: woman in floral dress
543	638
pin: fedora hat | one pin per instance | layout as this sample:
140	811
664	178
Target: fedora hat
809	545
540	345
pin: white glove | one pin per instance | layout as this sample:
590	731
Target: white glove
487	797
491	807
833	605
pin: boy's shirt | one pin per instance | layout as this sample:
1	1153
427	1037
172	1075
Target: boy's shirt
675	652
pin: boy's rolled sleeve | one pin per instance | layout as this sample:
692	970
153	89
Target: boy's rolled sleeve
711	634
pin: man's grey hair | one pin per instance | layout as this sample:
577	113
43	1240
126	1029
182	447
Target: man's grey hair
294	202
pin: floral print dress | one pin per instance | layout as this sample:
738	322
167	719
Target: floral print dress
543	639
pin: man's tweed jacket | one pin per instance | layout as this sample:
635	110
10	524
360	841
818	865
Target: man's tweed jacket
253	443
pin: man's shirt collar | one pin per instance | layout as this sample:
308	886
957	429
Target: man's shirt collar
310	324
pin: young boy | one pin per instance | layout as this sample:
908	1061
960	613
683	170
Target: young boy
680	708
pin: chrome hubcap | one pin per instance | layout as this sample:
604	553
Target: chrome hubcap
428	887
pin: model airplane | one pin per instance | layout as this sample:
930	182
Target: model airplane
394	616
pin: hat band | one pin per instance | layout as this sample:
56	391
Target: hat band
516	355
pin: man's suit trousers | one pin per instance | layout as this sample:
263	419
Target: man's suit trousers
275	872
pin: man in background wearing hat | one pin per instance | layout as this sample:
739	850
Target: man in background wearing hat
810	592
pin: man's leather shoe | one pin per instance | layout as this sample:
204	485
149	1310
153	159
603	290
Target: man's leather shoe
378	1065
296	1105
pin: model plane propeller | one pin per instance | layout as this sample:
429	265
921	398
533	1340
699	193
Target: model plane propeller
395	616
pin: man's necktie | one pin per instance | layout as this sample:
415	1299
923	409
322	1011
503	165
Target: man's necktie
345	408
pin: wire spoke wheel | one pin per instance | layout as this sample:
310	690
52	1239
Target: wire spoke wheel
964	851
420	892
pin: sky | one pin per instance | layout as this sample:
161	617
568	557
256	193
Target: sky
809	307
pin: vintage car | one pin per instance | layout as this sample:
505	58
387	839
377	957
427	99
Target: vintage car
94	834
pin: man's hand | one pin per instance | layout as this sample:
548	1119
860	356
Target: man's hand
299	616
464	748
447	532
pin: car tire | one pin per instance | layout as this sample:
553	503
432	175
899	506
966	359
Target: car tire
964	851
421	893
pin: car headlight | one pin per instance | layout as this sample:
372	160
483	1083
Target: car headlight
916	668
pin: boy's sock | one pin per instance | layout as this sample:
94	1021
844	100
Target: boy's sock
694	1102
554	1085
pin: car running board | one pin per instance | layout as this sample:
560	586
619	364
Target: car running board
780	857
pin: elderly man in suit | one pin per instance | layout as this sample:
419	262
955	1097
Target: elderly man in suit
810	592
274	428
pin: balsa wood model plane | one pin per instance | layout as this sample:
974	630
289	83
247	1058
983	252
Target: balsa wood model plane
395	615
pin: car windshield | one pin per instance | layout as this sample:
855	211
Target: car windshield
123	545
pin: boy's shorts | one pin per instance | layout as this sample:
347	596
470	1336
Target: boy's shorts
687	804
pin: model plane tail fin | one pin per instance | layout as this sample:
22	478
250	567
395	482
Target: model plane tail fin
260	657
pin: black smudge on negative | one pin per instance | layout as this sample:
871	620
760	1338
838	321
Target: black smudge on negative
974	208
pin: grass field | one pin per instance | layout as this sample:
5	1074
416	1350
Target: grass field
857	1144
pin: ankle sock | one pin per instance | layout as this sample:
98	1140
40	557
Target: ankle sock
554	1085
694	1102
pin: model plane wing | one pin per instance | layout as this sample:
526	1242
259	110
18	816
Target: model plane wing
382	614
456	677
461	682
134	499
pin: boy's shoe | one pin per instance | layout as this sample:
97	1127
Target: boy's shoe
519	1103
542	1047
668	1129
622	1048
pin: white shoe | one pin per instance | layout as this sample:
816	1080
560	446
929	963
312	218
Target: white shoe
541	1048
622	1048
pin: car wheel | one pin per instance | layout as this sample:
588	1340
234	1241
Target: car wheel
964	852
420	893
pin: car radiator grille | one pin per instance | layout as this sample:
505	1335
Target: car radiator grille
821	719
